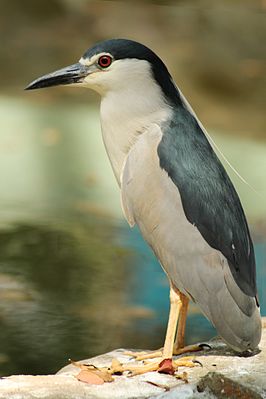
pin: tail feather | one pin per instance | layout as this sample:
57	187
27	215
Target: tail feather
234	314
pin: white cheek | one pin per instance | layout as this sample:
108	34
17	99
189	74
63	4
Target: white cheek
126	76
98	81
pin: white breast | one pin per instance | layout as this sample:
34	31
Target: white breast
130	109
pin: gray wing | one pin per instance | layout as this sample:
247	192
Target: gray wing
209	199
152	200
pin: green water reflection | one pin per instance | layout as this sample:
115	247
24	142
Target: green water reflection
58	287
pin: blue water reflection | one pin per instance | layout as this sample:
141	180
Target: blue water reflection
149	287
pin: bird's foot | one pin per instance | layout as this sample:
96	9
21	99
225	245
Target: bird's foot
144	355
159	353
190	348
166	366
98	375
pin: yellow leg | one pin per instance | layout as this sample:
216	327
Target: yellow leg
175	306
180	337
179	345
167	351
178	307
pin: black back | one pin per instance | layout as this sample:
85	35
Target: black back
209	199
123	48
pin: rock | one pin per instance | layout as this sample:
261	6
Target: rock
223	375
223	387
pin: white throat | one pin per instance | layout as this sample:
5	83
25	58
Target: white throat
129	110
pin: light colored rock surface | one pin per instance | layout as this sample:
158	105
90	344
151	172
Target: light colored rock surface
249	372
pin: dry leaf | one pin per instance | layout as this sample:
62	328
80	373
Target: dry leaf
116	367
166	367
89	377
115	364
79	365
92	374
105	375
165	387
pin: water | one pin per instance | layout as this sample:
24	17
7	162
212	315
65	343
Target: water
75	280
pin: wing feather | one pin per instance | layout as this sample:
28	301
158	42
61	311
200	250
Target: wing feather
208	196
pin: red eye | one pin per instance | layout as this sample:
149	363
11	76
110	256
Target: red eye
105	61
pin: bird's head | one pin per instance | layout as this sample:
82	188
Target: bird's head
111	65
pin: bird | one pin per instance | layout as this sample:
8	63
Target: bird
174	188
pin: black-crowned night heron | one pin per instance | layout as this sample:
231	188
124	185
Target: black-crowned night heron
174	188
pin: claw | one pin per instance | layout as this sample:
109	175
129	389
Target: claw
188	348
197	362
202	346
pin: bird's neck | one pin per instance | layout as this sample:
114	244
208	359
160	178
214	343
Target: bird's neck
125	115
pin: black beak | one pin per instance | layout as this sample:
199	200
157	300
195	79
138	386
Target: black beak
70	74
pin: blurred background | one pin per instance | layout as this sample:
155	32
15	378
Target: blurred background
73	275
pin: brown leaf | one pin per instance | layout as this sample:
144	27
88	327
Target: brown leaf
89	377
116	367
115	364
166	367
105	375
165	387
79	365
89	370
